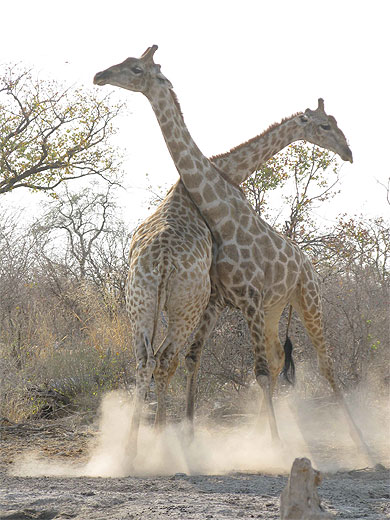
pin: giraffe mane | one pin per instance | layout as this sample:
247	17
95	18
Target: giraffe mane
253	139
176	101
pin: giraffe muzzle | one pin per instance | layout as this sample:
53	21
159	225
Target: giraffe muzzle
348	155
101	78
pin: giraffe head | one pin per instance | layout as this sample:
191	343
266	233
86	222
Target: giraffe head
136	74
321	129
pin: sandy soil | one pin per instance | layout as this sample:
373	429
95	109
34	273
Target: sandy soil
67	469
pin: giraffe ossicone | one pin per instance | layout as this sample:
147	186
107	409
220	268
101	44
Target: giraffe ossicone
254	267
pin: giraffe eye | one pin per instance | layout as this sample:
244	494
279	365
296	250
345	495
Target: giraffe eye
137	70
325	127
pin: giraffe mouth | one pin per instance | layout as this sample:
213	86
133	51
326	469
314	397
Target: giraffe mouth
100	78
348	155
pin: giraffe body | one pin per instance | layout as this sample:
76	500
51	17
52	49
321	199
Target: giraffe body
170	255
255	268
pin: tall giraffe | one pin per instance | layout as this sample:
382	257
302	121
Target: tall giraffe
254	268
178	232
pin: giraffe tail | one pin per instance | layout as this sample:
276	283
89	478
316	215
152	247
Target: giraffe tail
288	371
165	268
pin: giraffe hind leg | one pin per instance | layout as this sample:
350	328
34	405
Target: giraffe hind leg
194	351
167	361
146	364
309	310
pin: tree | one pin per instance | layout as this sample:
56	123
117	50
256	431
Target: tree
62	279
17	259
356	297
366	243
308	175
315	173
49	134
82	235
270	176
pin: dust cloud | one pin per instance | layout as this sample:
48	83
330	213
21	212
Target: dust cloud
307	429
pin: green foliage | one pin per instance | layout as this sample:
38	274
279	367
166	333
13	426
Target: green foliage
272	175
307	174
358	242
49	133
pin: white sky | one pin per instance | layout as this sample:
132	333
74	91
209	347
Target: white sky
236	67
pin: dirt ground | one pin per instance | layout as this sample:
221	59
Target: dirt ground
70	468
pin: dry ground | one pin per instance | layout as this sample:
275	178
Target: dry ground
67	469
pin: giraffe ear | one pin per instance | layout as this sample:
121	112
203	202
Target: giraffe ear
321	105
162	78
148	54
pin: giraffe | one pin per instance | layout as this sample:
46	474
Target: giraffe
178	229
253	268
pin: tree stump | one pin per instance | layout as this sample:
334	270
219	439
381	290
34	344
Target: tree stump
299	499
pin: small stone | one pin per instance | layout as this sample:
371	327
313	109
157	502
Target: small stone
179	475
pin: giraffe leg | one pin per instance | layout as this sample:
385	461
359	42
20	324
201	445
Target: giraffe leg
193	355
308	306
252	308
167	357
145	367
165	369
172	367
274	349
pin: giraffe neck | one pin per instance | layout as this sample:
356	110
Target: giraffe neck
198	174
180	144
218	200
245	159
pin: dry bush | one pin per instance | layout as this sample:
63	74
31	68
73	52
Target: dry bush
64	335
60	380
61	354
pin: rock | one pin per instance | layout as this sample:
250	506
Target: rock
299	499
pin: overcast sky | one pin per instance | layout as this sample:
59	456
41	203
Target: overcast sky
236	66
